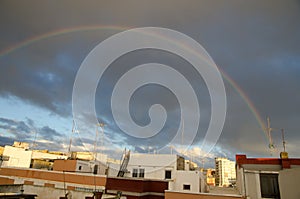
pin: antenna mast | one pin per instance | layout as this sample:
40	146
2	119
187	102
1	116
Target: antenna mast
283	141
101	125
269	130
73	127
182	150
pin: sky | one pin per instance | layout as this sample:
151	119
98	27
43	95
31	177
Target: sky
255	45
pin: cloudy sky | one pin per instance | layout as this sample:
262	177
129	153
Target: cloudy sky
255	44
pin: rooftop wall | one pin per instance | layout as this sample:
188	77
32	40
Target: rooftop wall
86	179
284	163
137	188
181	195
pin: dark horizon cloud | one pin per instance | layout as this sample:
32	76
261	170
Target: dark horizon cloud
27	131
255	42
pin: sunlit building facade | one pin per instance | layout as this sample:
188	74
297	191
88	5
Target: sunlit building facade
225	172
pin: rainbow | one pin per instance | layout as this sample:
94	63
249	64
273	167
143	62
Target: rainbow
246	99
63	31
59	32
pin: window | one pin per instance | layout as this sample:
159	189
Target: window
138	173
134	173
269	185
79	168
142	173
168	174
186	187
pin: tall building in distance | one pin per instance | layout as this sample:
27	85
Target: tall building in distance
225	172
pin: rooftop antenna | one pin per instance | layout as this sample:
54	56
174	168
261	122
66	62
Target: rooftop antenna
182	132
269	130
101	125
73	130
284	154
283	141
34	139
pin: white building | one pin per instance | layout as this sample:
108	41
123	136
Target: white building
225	172
19	156
259	178
170	167
154	166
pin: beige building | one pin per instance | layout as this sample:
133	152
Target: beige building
225	172
210	177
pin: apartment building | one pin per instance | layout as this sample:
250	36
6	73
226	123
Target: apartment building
225	172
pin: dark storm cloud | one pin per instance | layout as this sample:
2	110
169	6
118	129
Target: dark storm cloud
255	42
18	128
6	140
27	131
48	133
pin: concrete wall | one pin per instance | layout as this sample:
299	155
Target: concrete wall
64	165
181	178
248	183
40	155
9	188
79	166
153	164
18	157
155	167
51	184
55	193
137	188
289	181
84	166
40	177
252	185
181	195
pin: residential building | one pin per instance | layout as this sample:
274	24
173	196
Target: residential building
80	166
259	178
225	172
154	166
210	177
19	155
170	167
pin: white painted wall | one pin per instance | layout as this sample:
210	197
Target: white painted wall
252	185
248	181
289	180
18	157
191	178
88	167
84	166
154	164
